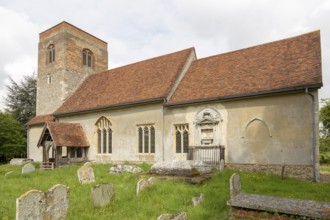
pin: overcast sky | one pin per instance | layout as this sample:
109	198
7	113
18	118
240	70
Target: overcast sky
137	30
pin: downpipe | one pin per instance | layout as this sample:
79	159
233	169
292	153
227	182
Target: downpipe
314	134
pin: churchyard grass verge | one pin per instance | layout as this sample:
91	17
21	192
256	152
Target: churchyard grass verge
165	196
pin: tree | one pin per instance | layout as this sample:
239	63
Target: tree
325	132
21	98
12	138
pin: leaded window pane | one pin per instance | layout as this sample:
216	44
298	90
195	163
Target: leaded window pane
152	139
89	59
178	141
99	141
110	140
140	140
146	140
84	58
104	141
185	141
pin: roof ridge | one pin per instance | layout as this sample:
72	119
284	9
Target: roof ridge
258	45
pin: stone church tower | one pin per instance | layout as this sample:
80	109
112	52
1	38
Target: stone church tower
67	55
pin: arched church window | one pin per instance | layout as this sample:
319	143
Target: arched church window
87	57
104	135
181	138
146	139
51	53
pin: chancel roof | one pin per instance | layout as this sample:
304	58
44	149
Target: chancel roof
285	65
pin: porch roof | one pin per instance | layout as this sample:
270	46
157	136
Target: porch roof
65	134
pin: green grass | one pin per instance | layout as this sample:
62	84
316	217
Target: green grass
166	196
325	167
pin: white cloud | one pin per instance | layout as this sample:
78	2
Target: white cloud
143	29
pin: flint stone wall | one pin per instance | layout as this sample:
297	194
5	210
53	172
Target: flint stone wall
35	204
304	172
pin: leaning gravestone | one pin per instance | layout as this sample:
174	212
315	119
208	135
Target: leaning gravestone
235	185
35	204
102	195
86	173
177	216
28	168
144	183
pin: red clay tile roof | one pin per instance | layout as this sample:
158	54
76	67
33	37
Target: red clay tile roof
40	119
148	80
281	65
67	134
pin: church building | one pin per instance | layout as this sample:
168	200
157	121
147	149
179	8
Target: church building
256	108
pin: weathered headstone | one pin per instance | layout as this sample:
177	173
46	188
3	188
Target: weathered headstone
102	195
86	173
235	185
186	168
19	161
142	184
222	165
198	200
28	168
35	204
177	216
10	173
117	169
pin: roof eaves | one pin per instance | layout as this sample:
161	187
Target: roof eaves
114	106
247	95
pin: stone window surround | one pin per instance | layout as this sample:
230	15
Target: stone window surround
103	124
183	128
151	142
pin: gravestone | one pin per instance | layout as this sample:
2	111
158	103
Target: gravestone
10	173
142	184
28	168
102	195
117	169
235	185
177	216
86	173
198	200
222	165
35	204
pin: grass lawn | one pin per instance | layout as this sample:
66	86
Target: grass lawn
166	196
325	167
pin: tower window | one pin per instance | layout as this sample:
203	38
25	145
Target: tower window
51	53
87	57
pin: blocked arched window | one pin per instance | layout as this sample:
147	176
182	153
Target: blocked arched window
87	57
104	135
51	53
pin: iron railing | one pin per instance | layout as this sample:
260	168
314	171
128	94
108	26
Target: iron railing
211	155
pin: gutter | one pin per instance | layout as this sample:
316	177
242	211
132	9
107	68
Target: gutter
114	106
314	134
241	96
